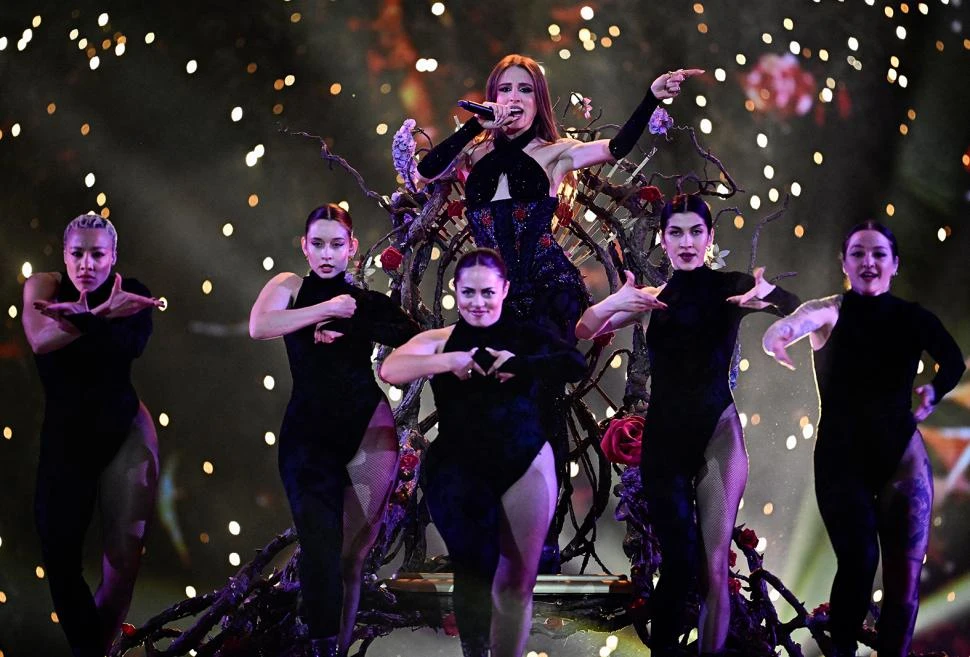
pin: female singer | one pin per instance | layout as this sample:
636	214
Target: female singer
513	176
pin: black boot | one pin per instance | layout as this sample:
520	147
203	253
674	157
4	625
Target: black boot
843	651
895	627
476	647
329	647
549	561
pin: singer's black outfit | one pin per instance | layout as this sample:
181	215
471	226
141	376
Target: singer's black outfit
544	286
690	344
865	375
489	433
334	397
90	407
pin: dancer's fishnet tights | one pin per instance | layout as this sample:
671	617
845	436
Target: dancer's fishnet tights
720	485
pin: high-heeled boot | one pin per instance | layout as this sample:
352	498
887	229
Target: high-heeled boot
328	647
475	647
843	651
895	627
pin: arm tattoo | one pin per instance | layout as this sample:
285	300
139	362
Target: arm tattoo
803	321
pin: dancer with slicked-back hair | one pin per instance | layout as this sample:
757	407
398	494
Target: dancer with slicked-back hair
694	465
98	445
338	449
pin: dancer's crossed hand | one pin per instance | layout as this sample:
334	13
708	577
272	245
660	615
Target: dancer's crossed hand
124	304
753	298
463	365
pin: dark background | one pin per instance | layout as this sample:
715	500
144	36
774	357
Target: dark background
171	162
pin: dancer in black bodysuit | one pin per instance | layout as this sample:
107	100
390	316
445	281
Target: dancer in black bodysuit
514	175
872	475
98	443
693	451
338	445
489	475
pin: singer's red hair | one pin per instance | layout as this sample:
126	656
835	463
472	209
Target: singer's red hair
545	123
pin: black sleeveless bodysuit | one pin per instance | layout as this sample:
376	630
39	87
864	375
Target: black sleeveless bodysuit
690	344
489	433
333	400
334	392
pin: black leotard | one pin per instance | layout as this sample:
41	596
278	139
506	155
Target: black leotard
88	381
690	344
334	391
334	397
865	373
90	407
489	433
493	428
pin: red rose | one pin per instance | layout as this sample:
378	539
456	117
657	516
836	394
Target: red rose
455	208
650	194
519	214
822	609
546	240
399	497
409	461
734	585
732	558
564	213
449	624
128	629
621	442
604	339
748	539
391	259
487	219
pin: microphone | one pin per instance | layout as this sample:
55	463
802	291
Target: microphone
484	111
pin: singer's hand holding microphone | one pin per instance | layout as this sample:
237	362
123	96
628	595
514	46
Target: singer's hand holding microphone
492	115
